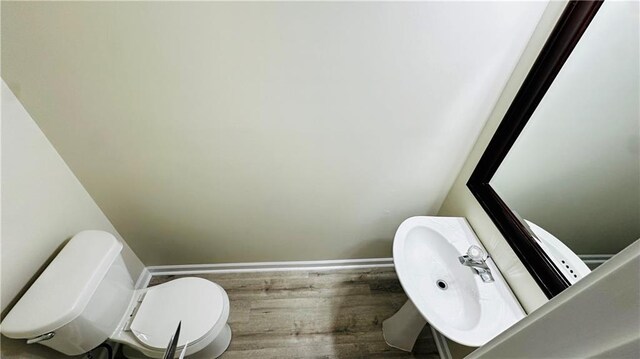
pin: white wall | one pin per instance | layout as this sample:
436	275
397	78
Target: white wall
460	201
43	205
228	132
575	169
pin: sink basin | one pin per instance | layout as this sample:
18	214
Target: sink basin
450	296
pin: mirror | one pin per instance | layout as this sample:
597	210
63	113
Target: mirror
565	162
575	168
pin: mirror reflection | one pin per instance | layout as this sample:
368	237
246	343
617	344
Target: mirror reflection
574	172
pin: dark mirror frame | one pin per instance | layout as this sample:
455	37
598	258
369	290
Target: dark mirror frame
567	32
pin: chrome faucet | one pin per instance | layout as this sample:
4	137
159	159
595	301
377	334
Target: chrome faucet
476	258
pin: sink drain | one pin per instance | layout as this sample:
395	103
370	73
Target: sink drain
442	284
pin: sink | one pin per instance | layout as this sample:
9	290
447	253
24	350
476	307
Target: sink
451	297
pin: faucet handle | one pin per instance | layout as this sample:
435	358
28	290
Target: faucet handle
476	253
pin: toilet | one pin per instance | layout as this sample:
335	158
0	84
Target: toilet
86	296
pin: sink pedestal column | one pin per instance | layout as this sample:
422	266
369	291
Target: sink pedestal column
402	329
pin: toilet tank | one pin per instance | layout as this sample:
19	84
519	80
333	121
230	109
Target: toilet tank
80	297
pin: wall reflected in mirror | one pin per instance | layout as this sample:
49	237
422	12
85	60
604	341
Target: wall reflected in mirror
575	169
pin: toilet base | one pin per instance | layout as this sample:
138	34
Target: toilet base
217	346
211	351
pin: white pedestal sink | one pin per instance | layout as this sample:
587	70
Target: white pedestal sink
450	296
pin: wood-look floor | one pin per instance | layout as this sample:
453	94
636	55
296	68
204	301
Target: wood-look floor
313	314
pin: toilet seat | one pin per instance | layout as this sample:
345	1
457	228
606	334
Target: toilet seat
201	305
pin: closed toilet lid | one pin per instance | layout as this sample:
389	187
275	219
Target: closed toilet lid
198	303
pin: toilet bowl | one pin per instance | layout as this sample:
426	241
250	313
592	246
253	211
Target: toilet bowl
86	296
200	305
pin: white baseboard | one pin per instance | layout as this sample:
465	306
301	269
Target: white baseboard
143	279
184	269
441	344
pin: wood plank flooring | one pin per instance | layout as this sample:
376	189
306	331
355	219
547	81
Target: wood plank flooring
313	314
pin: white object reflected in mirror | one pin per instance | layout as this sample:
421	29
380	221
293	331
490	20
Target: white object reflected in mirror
569	264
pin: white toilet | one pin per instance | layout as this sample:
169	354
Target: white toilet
86	296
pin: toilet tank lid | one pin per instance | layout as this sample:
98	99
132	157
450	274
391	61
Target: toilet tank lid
62	291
